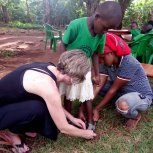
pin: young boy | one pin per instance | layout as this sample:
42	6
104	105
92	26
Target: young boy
135	31
86	34
127	80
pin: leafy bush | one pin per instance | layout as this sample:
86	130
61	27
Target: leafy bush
18	24
139	12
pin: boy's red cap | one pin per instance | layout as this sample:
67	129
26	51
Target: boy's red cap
107	50
116	44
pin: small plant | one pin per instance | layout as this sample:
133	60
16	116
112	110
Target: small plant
18	24
8	53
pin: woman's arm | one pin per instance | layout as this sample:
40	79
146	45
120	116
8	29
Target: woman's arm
76	121
45	87
55	108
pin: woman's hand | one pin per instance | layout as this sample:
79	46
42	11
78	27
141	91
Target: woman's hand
79	123
90	135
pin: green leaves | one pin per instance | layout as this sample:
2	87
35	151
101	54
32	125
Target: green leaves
63	11
138	11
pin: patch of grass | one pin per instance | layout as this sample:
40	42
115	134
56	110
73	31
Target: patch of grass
113	138
8	53
20	25
4	29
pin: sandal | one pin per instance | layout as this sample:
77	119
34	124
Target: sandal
15	148
4	145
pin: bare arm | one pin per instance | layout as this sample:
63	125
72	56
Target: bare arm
118	84
44	86
76	121
59	118
103	79
95	60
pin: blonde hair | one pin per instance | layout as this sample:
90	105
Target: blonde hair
74	63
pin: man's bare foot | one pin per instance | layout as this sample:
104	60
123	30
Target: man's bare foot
31	134
95	115
132	123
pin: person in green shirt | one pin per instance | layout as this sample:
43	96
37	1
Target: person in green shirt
134	29
142	44
87	34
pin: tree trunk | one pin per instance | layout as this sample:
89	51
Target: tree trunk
5	15
1	12
91	6
124	5
151	15
47	12
28	13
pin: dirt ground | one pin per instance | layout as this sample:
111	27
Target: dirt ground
26	45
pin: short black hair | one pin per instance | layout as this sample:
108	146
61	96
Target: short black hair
150	22
146	28
110	11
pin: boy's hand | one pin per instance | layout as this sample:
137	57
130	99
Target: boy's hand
97	80
95	115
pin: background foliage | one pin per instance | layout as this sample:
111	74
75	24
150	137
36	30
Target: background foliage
138	11
61	12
